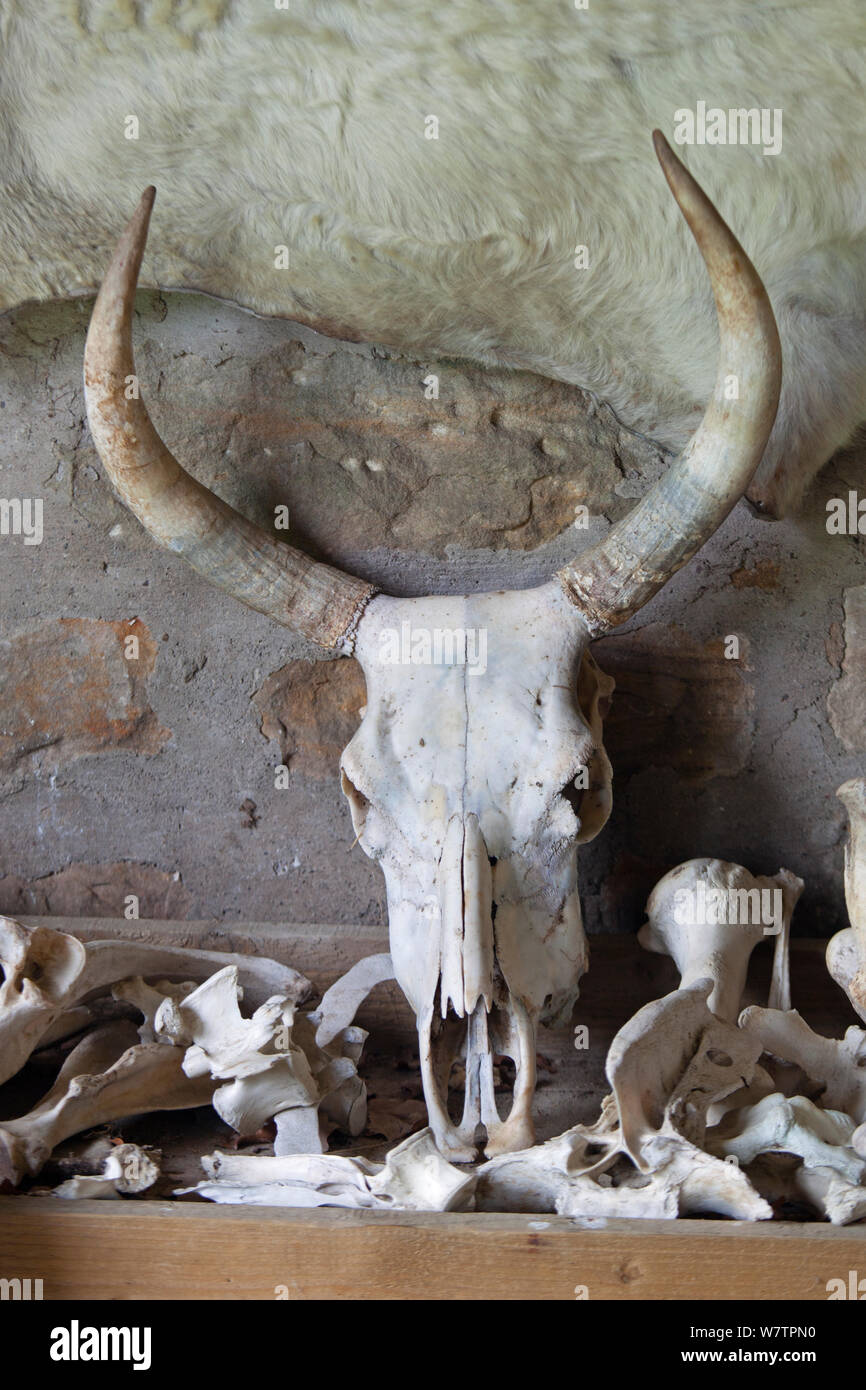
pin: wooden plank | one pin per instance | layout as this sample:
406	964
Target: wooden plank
150	1250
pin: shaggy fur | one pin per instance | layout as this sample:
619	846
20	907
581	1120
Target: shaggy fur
304	127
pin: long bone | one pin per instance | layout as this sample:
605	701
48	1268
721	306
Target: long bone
48	975
106	1077
461	787
709	916
414	1177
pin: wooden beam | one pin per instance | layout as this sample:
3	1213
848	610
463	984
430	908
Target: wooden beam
159	1250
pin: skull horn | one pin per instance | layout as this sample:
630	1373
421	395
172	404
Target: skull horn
639	554
313	599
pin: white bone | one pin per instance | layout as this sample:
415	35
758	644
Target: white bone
270	1064
341	1002
846	951
791	1125
148	1000
414	1177
670	1063
437	782
709	916
40	970
127	1169
703	1184
48	973
837	1066
106	1077
667	1067
263	1071
836	1198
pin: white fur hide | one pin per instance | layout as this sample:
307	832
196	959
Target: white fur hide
305	128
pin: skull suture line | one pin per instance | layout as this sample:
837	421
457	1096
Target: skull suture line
460	782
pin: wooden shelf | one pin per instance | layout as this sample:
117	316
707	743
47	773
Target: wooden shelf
179	1250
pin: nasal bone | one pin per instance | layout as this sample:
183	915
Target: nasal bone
466	905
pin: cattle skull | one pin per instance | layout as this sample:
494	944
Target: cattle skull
471	781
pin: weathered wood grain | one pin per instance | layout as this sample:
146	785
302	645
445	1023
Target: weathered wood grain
156	1250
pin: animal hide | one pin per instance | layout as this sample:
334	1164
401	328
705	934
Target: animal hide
306	128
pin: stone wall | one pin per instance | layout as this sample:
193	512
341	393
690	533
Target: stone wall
154	776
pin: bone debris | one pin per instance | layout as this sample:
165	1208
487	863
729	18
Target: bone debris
192	1045
792	1125
49	976
127	1169
414	1177
106	1077
666	1068
269	1065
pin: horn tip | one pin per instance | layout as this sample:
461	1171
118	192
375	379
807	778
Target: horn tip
665	155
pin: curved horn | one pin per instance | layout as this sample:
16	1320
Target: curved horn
639	554
313	599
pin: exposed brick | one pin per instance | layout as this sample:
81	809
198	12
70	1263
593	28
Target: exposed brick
67	689
312	709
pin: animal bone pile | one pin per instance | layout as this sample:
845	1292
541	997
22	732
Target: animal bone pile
191	1045
711	1111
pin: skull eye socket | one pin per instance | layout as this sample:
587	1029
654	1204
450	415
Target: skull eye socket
574	795
359	804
